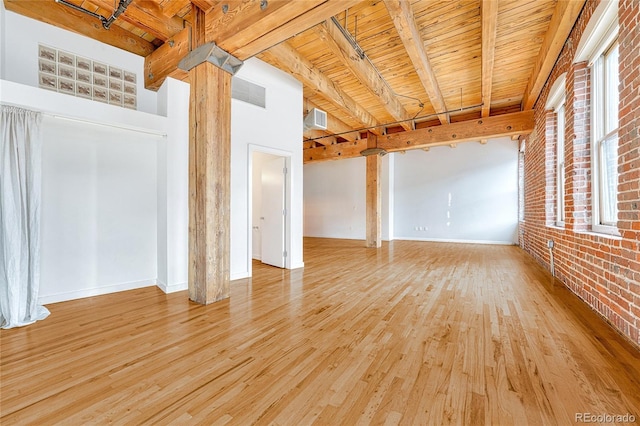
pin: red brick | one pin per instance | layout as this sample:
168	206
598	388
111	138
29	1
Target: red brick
591	266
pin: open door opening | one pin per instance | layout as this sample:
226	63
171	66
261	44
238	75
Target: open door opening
269	215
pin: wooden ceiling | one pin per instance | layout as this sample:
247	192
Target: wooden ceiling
421	63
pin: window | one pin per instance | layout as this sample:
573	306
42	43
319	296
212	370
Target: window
521	203
604	142
560	169
598	46
556	103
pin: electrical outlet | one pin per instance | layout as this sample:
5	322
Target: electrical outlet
550	243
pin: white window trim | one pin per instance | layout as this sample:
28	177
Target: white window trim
596	143
557	92
599	33
561	195
521	181
556	101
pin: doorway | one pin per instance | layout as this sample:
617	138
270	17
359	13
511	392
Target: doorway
269	199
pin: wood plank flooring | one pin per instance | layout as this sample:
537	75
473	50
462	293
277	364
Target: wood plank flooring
413	333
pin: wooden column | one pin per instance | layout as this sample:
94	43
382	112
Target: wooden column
374	199
209	177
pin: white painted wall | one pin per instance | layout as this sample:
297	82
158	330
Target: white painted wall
335	199
98	209
2	40
99	194
277	130
167	244
469	193
20	49
482	181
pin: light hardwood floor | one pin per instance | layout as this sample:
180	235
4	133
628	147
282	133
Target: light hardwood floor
413	333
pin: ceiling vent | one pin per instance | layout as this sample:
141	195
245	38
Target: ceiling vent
248	92
316	119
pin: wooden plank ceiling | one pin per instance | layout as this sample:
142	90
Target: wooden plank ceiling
387	66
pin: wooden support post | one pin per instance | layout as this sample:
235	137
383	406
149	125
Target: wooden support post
374	199
209	178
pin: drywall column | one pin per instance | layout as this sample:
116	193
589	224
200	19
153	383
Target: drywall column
374	199
209	177
173	188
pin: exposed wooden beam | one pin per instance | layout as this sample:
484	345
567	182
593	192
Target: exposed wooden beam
363	70
489	29
64	17
516	123
147	16
404	21
209	178
277	31
171	8
246	30
335	125
373	196
207	5
320	136
163	62
289	59
562	21
464	131
334	152
248	21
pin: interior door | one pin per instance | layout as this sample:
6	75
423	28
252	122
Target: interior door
272	214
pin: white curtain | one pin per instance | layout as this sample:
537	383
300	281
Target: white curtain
20	183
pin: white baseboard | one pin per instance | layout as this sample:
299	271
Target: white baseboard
297	265
90	292
239	275
173	287
446	240
335	237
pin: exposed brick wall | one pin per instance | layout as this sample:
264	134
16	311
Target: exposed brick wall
604	271
578	150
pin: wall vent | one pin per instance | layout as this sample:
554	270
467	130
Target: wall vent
316	119
248	92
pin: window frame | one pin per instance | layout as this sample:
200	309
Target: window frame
560	164
521	181
556	102
601	133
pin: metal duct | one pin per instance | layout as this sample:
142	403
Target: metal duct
373	151
106	22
